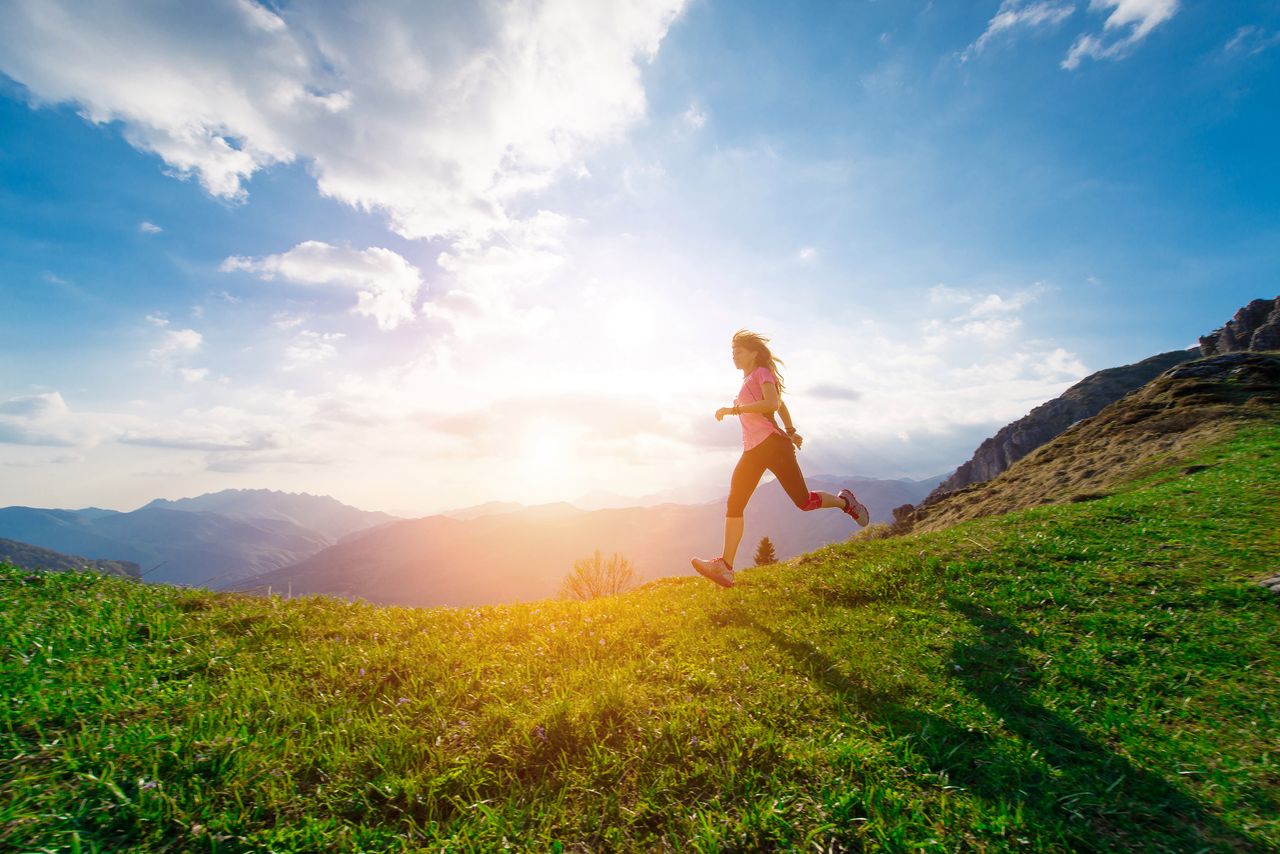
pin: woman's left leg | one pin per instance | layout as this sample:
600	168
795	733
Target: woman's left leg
786	468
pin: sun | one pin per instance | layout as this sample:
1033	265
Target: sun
547	451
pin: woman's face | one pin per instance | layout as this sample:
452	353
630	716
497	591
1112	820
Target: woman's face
743	359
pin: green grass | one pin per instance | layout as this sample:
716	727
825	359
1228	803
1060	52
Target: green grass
1097	676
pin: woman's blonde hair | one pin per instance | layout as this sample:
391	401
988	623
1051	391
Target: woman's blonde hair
764	357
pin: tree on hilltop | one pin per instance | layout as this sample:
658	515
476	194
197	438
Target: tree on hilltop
594	577
765	553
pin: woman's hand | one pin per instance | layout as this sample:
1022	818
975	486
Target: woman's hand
723	411
796	438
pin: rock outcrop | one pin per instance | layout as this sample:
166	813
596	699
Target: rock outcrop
1255	327
1048	420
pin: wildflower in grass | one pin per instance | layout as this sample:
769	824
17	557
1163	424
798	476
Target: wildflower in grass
541	732
144	784
361	671
402	701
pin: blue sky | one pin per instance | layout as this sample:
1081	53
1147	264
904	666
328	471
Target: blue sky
422	260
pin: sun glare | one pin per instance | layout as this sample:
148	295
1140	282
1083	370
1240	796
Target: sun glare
546	456
630	322
547	451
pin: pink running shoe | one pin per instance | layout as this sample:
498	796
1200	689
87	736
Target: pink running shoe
717	570
855	508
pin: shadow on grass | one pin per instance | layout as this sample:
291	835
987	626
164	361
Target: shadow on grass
1077	790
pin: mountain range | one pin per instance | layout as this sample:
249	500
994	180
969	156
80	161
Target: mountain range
525	553
241	538
209	540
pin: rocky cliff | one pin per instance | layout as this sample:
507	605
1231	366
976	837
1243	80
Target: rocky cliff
1255	327
1048	420
1162	423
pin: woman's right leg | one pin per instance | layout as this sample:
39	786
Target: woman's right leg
746	476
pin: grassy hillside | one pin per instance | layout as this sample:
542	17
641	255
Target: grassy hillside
1096	675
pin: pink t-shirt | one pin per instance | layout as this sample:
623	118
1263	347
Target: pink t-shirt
756	426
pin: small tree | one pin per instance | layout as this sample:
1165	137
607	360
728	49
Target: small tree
765	553
594	577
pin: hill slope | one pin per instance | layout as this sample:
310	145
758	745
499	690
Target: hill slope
1087	397
33	557
1097	676
1183	407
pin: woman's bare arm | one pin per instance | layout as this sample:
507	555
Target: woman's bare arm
767	406
784	415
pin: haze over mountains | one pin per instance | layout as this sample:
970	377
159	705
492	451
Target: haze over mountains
316	512
235	537
210	540
525	554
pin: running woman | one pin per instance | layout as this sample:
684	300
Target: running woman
764	446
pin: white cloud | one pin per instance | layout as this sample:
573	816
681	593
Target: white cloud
385	283
198	436
35	406
524	257
471	317
1061	362
1018	14
1130	22
236	462
694	117
285	320
310	348
436	115
983	318
174	349
984	304
149	227
42	419
832	391
807	254
1250	40
174	344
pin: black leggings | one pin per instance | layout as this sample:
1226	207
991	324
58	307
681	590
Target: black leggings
778	455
